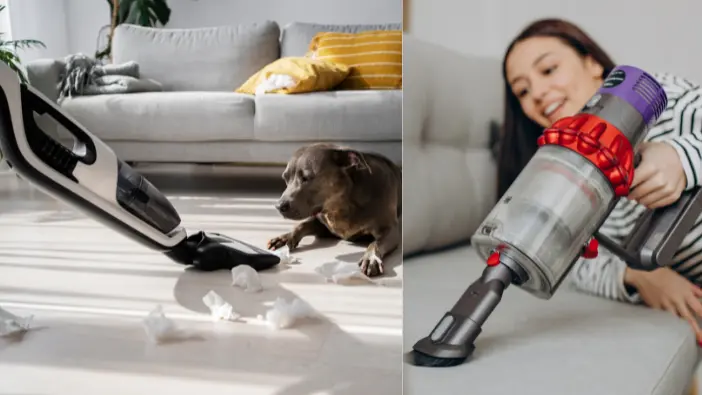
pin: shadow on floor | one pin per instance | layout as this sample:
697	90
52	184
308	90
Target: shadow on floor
329	378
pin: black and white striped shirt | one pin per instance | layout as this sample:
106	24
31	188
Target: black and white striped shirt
680	125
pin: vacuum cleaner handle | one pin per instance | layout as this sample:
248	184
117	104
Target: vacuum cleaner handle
658	233
46	147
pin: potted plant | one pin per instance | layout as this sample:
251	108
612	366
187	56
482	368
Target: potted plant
149	13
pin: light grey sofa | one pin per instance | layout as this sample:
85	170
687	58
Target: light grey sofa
198	118
573	344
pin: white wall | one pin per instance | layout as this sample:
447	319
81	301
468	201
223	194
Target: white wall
652	34
85	15
71	26
43	20
5	22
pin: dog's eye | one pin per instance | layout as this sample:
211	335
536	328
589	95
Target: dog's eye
305	178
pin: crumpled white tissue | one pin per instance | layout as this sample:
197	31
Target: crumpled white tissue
160	328
246	277
219	309
275	82
284	314
342	272
10	323
284	255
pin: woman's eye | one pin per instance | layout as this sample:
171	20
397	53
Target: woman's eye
550	70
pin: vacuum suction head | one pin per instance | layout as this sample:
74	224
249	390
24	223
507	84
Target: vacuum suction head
451	342
433	360
213	251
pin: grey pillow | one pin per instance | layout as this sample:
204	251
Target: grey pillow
297	36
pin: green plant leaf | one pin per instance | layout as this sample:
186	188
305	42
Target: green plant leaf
13	61
131	10
161	11
22	44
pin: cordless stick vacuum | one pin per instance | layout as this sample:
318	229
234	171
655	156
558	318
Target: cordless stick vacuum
550	216
92	179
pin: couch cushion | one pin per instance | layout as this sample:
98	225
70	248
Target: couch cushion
573	344
165	116
330	116
209	59
446	112
297	36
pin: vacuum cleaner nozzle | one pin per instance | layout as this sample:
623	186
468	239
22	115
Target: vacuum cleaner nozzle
450	343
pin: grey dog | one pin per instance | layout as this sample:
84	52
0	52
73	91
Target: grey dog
344	193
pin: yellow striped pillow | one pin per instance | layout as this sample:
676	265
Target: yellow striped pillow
375	57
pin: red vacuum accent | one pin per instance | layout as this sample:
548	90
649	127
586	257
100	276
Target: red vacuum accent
600	142
590	250
493	259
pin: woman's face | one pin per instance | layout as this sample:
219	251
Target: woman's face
550	79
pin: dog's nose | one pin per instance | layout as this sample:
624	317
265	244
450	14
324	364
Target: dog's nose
283	206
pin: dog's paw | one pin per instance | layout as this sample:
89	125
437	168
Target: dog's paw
371	265
281	241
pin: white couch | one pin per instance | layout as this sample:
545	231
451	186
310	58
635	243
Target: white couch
198	118
572	344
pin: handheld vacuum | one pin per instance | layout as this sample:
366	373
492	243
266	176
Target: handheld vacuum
93	180
550	216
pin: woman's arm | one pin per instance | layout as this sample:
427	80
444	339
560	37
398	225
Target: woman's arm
680	126
603	276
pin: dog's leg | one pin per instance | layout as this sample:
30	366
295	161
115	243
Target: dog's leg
386	241
309	227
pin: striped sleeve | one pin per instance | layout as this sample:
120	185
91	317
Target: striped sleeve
602	276
680	126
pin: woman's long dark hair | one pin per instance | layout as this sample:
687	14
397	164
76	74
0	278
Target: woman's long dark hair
519	134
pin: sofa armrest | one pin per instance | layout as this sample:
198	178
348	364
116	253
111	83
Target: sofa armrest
44	75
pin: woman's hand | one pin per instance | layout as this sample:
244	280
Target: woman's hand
665	289
660	179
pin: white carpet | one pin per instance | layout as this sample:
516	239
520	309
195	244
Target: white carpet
89	289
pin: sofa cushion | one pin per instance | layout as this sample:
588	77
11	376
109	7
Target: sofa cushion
297	36
207	59
330	116
165	116
573	344
44	74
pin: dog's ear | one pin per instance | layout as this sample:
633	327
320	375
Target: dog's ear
350	159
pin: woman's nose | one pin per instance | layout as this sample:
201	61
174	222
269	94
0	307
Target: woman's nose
539	91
